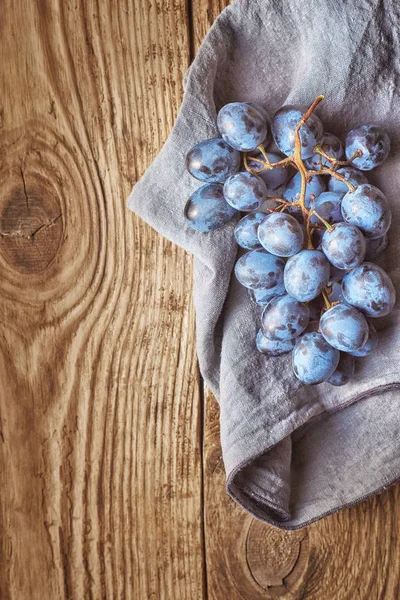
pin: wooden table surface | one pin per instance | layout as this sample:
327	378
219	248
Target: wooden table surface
112	483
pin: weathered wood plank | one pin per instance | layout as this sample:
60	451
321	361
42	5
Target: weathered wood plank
100	453
352	554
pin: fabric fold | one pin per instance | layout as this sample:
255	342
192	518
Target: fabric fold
292	453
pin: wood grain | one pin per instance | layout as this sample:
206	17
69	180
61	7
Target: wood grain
106	488
100	445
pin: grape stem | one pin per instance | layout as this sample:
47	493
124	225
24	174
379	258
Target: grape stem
296	161
327	304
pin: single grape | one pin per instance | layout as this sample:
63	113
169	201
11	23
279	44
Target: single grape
332	146
370	344
207	209
375	247
284	318
273	347
262	297
281	234
367	209
374	143
328	206
352	175
370	289
313	359
315	187
259	269
273	178
212	161
245	191
344	370
284	125
344	327
306	274
246	230
242	126
344	246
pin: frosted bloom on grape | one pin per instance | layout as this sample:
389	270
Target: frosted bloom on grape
344	246
284	125
306	274
242	126
370	289
212	161
259	269
284	318
245	191
367	209
313	359
246	231
344	327
372	141
207	209
281	234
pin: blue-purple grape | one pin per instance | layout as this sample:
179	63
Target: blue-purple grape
212	161
369	289
352	175
344	370
328	206
284	124
375	247
372	141
344	327
245	191
246	231
261	297
273	347
306	274
273	178
367	209
332	146
259	269
207	209
370	345
284	318
242	126
315	187
313	359
281	234
344	246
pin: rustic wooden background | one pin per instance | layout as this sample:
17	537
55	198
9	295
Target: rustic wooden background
110	485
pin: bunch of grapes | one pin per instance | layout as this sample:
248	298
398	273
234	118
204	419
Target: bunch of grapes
309	248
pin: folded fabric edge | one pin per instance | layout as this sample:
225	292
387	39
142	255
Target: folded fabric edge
266	510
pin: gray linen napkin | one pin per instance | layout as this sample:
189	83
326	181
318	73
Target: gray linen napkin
292	453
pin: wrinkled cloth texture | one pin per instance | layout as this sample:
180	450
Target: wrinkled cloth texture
292	453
